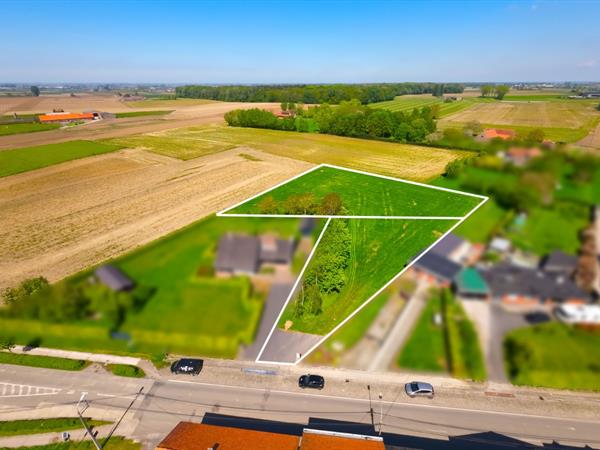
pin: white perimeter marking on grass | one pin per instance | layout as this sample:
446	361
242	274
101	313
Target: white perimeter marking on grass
329	217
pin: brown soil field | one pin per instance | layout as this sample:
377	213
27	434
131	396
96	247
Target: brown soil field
61	219
592	140
534	114
183	117
46	103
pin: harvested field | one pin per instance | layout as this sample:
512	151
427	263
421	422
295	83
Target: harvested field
411	162
61	219
184	117
78	103
555	114
592	140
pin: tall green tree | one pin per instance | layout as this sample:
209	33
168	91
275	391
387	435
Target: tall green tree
501	91
35	91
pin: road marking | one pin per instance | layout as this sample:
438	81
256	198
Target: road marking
25	390
385	402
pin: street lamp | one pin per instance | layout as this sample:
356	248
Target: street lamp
380	412
80	412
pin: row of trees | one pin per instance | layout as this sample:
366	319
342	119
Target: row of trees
316	93
327	271
348	119
497	91
305	203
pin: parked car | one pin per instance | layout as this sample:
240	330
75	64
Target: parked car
535	317
187	366
311	381
419	389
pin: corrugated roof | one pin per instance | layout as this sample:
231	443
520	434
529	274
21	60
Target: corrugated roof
196	436
112	277
65	116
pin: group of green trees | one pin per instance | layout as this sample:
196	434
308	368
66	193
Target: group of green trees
350	118
326	273
316	93
305	203
36	299
497	91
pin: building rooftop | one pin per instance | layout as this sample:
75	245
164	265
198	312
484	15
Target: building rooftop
112	277
438	265
447	245
328	440
237	253
558	261
469	280
491	133
197	436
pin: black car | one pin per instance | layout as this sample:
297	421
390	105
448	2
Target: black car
311	381
187	366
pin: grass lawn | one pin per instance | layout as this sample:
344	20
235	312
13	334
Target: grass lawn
424	349
432	348
412	162
125	370
554	355
365	195
550	229
31	158
35	426
406	103
115	443
17	128
42	361
123	115
380	249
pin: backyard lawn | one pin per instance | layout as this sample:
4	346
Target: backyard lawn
367	195
554	355
31	158
379	250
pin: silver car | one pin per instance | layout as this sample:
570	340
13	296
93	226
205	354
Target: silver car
419	389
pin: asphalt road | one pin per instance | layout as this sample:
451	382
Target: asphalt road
164	402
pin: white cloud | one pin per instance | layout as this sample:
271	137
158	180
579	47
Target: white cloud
589	63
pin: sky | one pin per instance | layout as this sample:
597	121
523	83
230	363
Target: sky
299	41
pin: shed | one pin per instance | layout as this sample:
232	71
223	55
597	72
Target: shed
114	278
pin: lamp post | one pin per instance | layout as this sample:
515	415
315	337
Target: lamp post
380	412
83	422
371	407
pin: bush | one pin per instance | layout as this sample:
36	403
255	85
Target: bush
125	370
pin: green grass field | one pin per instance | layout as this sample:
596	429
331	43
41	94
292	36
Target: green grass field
365	195
46	362
31	158
37	426
169	102
124	370
554	355
123	115
411	162
380	250
406	103
428	350
17	128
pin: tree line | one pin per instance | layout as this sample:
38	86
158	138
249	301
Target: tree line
350	118
315	93
496	91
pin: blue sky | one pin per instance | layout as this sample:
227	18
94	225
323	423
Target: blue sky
279	41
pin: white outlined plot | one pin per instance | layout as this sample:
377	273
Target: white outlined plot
397	203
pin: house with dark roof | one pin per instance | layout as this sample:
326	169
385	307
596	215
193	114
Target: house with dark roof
559	263
456	249
524	285
436	269
240	254
113	278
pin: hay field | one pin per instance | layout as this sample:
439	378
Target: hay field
78	103
412	162
64	218
543	114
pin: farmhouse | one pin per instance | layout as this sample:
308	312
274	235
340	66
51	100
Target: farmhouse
66	117
456	249
559	263
241	254
493	133
436	269
112	277
519	156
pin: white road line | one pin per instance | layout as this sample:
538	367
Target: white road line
385	402
25	390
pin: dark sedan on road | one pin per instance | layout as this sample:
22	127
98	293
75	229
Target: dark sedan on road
187	366
419	389
311	381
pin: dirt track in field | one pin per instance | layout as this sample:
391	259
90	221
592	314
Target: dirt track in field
182	117
592	140
61	219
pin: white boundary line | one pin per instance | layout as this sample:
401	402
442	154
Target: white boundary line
289	297
329	217
331	166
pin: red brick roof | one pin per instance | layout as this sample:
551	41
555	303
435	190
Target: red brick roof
491	133
197	436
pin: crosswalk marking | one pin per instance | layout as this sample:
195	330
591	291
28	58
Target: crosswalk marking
25	390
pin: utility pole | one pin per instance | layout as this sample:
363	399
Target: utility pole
85	425
371	407
380	412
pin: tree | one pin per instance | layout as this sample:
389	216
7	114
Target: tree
501	91
598	107
12	296
474	128
284	106
299	203
7	343
535	136
35	91
331	204
486	90
268	205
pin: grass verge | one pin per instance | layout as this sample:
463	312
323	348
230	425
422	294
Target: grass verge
123	115
47	362
36	426
125	370
115	443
